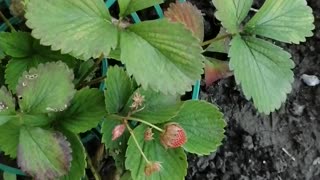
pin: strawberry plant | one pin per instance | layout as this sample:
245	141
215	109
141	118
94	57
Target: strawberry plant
47	102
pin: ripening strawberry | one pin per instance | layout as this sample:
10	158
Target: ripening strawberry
118	131
151	168
173	136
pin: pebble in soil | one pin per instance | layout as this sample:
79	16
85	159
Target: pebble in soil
282	146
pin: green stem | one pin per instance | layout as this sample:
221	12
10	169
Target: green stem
216	39
92	68
147	123
139	120
93	170
7	22
92	82
136	142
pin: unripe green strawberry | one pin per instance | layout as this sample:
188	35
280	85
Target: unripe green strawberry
173	136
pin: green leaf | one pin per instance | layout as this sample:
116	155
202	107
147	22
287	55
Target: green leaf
8	176
85	111
78	163
80	27
34	120
2	69
117	94
16	44
115	54
116	148
31	55
263	70
203	124
82	69
156	108
171	53
231	13
286	20
52	84
9	138
129	6
173	161
220	46
43	154
2	55
7	105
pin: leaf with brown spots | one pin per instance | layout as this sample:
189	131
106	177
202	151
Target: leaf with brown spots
188	15
43	154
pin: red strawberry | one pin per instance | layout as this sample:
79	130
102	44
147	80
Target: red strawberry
173	136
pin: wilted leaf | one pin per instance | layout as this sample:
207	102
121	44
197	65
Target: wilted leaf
43	154
187	14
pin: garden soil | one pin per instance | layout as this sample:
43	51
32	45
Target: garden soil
284	145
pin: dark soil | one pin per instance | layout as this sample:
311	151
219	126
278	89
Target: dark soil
284	145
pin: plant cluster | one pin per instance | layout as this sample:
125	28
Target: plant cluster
47	101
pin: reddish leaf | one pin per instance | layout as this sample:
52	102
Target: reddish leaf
188	15
215	70
43	154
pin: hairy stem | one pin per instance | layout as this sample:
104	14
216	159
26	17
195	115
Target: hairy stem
7	22
136	142
146	123
139	120
92	82
92	68
216	39
92	168
254	10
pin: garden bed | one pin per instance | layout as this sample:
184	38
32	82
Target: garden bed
284	145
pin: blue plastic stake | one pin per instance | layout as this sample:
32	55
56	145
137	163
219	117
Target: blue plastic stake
109	3
11	170
159	11
135	17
